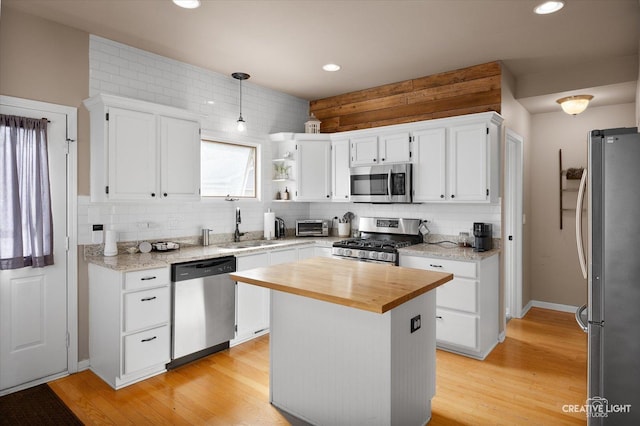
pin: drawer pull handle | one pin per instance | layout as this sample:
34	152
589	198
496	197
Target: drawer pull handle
149	339
147	278
435	266
438	317
146	299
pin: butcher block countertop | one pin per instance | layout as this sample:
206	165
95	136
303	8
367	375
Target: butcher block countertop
369	286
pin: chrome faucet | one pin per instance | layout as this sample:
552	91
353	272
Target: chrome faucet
237	234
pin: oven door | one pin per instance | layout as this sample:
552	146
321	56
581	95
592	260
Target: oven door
381	184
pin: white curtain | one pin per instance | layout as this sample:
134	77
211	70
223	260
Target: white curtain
26	225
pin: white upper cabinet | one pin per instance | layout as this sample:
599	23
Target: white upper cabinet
467	163
429	173
180	179
384	148
364	150
314	169
340	170
456	160
394	148
132	153
142	151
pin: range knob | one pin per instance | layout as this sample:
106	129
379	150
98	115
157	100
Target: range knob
362	254
374	255
347	252
383	256
340	252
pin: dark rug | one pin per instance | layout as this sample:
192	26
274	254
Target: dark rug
35	406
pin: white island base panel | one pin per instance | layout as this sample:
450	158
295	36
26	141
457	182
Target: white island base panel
335	365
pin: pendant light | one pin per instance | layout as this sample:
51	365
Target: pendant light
242	125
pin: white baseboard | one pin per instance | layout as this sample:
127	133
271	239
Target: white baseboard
553	306
83	365
502	336
526	309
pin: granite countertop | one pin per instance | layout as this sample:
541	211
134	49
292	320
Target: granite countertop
186	253
447	251
371	286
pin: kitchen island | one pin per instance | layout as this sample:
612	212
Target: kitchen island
351	342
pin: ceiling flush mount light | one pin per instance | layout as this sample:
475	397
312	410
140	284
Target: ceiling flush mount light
548	7
331	67
242	125
574	105
187	4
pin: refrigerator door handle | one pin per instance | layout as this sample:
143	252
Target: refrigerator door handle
581	257
581	323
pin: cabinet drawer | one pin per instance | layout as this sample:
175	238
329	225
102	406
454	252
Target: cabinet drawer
457	328
147	278
460	294
145	349
146	308
457	268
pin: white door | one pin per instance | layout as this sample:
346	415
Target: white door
513	194
34	301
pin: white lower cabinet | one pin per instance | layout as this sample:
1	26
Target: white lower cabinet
129	324
467	308
252	302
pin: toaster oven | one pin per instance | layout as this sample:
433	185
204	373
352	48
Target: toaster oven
312	228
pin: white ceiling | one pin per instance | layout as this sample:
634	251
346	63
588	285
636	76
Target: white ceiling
283	44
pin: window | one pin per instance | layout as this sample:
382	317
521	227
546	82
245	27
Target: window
228	169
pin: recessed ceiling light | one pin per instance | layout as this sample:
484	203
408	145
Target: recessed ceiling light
210	102
331	67
187	4
548	7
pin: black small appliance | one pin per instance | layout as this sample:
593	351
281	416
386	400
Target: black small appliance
483	236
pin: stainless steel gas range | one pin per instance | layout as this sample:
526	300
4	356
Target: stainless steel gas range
380	239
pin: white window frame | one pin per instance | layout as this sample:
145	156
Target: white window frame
213	136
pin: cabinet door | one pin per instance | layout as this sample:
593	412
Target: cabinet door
467	165
429	173
314	170
180	158
364	151
340	170
133	160
306	252
252	302
394	148
283	256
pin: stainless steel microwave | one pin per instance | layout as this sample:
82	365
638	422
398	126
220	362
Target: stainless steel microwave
312	228
381	184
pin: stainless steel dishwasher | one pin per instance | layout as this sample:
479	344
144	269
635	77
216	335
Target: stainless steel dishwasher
203	308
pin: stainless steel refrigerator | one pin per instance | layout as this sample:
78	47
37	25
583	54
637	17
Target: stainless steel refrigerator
612	267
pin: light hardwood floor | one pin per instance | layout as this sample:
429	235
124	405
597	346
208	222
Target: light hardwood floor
540	367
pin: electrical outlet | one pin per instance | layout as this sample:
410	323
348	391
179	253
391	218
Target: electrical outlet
415	323
96	234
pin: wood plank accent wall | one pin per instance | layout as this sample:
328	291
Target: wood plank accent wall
448	94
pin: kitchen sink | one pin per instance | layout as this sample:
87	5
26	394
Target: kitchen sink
247	244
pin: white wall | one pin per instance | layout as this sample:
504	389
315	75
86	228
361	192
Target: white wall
555	273
126	71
